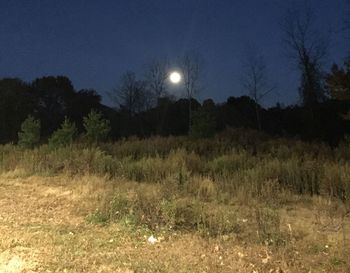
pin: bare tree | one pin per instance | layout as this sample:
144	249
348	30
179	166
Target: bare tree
309	49
191	68
131	95
156	76
255	81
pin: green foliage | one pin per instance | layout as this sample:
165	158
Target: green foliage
29	135
98	217
96	127
335	261
63	136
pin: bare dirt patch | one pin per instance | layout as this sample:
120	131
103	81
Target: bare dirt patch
43	228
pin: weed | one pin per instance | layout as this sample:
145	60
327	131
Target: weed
335	261
268	226
98	217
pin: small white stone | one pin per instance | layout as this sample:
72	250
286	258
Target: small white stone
152	240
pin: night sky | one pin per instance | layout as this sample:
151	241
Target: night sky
95	42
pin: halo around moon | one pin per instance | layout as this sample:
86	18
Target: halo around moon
175	77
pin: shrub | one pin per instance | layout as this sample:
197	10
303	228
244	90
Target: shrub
218	220
148	207
187	214
206	218
29	135
268	226
206	189
96	127
63	136
225	165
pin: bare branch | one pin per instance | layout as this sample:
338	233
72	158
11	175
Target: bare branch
255	82
156	76
255	78
191	69
308	48
131	94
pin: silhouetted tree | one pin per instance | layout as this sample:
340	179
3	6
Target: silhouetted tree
237	112
132	94
81	104
54	95
162	113
17	101
191	69
255	82
176	118
308	48
156	77
204	121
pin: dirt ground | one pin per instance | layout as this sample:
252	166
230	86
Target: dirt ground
43	228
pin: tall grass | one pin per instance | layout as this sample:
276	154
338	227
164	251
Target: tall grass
235	161
179	176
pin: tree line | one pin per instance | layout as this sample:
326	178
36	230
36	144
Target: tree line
55	103
145	107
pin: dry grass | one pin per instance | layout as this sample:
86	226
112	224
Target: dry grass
43	228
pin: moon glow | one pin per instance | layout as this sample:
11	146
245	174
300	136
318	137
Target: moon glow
175	77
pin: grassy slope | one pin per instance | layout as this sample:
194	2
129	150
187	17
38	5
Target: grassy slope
43	228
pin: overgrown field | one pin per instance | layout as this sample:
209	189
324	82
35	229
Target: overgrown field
281	204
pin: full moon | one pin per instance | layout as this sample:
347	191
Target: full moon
175	77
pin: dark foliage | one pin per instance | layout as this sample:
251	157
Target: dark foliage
51	99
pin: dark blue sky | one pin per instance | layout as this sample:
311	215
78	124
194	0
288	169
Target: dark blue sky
94	42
